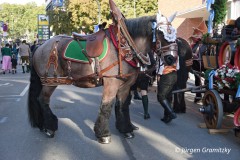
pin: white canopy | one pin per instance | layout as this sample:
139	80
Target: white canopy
196	12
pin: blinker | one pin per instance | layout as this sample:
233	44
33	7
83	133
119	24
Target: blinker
154	26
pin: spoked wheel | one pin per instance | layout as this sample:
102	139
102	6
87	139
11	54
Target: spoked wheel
212	109
237	117
237	58
225	54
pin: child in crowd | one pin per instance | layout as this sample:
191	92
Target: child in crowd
14	63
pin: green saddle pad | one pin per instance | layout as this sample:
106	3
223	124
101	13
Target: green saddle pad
74	53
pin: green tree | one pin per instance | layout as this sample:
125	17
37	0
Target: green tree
84	14
142	7
220	9
77	15
21	19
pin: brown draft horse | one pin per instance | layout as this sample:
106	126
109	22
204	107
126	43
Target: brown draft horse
45	77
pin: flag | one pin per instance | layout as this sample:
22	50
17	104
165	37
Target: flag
238	92
210	21
96	28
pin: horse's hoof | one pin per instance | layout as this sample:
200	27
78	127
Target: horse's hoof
49	133
104	140
146	116
134	127
129	135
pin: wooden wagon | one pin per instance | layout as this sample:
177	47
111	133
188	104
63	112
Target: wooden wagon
221	62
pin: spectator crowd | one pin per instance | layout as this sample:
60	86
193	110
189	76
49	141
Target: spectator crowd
14	54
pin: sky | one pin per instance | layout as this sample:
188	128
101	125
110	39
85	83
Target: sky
39	2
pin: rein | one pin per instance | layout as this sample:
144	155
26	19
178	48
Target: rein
127	55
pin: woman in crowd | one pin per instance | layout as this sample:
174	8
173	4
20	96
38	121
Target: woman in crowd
6	58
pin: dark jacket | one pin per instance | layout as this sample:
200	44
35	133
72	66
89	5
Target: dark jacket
14	62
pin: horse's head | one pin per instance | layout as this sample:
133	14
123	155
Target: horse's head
164	37
153	33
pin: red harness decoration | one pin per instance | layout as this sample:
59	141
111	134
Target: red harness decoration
116	42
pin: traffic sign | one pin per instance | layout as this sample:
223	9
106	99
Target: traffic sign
43	27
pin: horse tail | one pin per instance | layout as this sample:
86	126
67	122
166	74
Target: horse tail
34	108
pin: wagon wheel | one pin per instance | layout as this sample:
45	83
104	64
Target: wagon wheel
237	118
225	54
213	109
237	58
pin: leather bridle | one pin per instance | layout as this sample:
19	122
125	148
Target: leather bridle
170	49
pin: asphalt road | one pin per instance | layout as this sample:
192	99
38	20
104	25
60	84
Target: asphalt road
77	109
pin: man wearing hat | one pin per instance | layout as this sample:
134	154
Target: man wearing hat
198	49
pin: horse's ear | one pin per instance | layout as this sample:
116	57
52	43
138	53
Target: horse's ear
104	25
171	18
159	15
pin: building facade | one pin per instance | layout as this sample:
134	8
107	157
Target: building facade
192	12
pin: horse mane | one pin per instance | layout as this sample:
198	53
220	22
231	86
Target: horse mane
140	27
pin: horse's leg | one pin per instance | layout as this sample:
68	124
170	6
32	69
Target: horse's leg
50	121
101	127
123	122
179	105
197	66
198	96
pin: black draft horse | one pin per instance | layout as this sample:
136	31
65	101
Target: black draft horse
50	69
185	62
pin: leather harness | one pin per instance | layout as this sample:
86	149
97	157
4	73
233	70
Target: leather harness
126	49
93	49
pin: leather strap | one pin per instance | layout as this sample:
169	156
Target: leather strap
53	59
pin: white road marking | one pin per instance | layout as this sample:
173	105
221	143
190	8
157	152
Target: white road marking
4	119
21	94
5	84
25	90
12	99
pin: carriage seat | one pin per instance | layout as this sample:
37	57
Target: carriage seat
94	42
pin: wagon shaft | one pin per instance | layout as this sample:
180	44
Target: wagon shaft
196	89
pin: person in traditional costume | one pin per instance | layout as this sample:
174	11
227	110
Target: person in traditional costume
6	58
167	70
